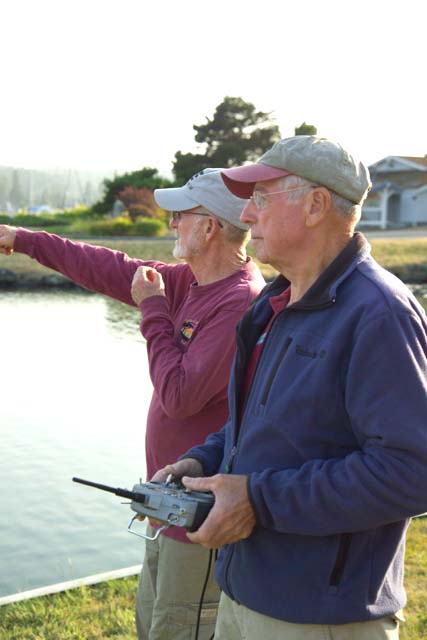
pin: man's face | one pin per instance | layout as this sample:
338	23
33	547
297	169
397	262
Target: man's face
277	223
188	243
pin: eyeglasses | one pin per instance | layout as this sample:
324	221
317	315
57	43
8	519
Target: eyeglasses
259	199
176	216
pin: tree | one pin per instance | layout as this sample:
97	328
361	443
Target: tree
16	195
4	190
146	178
305	130
138	202
237	133
187	164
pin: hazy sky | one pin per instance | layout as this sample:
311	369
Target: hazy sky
96	84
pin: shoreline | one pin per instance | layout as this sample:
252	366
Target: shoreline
405	257
10	280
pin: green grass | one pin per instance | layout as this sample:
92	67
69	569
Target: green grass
406	257
87	613
106	610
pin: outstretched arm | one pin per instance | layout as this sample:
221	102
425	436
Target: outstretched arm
96	268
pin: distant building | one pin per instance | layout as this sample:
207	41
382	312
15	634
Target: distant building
399	193
43	208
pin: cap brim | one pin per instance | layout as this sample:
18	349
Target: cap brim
174	199
241	180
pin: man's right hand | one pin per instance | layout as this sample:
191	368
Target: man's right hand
7	238
186	467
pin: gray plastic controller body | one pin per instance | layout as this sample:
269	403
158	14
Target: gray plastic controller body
172	504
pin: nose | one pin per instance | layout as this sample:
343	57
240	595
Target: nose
173	224
248	215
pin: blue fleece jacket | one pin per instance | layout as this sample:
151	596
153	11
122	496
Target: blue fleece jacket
333	439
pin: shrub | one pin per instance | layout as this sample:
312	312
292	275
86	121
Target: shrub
138	202
149	227
33	220
112	227
73	215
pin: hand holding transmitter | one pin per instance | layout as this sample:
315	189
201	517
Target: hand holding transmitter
169	502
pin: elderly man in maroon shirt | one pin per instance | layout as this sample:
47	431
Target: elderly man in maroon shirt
189	312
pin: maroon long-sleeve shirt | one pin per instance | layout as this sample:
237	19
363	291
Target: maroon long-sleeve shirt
189	334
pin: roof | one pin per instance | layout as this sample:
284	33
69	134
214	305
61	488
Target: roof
422	161
386	185
402	164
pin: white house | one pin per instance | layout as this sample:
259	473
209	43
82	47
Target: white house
399	193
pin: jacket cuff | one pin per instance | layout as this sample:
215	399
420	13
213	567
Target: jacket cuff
251	498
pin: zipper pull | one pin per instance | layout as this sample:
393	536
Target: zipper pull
230	462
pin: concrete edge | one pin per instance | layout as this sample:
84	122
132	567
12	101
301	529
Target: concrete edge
71	584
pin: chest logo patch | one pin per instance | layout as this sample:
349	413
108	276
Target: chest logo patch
187	330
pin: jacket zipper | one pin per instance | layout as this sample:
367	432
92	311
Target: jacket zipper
230	460
274	372
340	560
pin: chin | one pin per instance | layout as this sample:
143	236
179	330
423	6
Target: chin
261	256
178	251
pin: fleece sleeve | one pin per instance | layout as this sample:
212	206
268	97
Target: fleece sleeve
383	481
211	453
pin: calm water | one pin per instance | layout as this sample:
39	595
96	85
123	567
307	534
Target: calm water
74	396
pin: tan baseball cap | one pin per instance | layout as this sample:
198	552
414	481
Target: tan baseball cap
316	159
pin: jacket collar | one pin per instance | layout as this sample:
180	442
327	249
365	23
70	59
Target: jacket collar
323	290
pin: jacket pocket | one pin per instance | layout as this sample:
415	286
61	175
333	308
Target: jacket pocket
274	371
340	560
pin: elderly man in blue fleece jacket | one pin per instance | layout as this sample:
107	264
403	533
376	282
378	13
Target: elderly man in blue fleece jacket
323	460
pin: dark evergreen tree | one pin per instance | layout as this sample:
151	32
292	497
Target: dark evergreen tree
306	130
237	133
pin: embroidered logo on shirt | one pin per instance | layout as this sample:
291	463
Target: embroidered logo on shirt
187	330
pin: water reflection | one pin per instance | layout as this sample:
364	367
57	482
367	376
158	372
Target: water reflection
75	390
123	319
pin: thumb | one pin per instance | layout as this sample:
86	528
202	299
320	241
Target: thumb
150	274
197	484
155	277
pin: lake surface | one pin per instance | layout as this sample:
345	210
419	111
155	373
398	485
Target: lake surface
75	391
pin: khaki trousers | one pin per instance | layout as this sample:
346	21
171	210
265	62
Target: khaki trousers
236	622
169	590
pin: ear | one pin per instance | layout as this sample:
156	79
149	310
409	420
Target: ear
211	228
318	205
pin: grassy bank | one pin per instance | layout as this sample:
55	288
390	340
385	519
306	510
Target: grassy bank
106	610
407	257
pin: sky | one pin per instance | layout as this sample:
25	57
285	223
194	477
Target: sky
117	85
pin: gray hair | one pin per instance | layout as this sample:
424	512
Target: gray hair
345	208
234	235
231	234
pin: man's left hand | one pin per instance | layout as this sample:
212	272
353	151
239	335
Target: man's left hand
231	518
147	282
